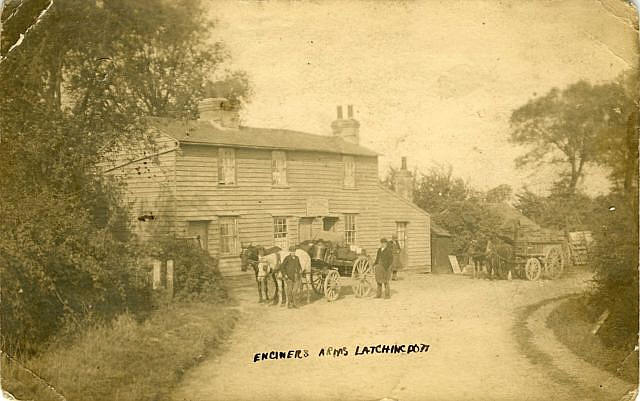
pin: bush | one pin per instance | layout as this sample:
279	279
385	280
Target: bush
196	274
63	264
616	271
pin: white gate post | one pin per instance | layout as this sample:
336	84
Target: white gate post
156	274
170	277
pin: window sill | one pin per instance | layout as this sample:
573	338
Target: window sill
221	186
280	186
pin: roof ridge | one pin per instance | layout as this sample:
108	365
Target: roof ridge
204	132
408	202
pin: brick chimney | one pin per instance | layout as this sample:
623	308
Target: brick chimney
220	112
347	129
404	182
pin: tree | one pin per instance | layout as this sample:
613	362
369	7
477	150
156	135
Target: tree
618	143
438	188
79	78
564	127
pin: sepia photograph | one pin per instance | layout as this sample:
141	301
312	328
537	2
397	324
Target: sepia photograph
355	200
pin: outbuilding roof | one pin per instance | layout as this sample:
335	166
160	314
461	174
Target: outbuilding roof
203	132
439	231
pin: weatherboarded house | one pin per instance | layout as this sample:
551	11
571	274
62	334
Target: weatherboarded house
230	186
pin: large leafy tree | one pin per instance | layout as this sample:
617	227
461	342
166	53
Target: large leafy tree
565	127
78	78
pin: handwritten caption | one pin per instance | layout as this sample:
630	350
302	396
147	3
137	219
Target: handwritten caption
338	352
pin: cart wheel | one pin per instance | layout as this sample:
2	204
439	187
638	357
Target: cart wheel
317	281
554	263
332	286
362	275
532	269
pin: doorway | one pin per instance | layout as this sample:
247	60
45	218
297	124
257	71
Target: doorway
305	229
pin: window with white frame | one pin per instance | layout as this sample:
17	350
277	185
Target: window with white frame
401	232
280	232
279	167
350	229
226	166
349	171
228	236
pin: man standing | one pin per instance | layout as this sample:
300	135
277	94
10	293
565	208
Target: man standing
291	270
384	259
396	250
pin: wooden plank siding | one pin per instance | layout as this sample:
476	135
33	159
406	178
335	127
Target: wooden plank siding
181	186
149	179
395	209
256	202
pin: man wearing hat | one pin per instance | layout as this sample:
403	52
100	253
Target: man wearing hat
384	259
291	270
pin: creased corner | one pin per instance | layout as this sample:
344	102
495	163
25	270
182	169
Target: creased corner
26	32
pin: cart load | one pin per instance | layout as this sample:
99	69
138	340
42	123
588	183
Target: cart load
332	262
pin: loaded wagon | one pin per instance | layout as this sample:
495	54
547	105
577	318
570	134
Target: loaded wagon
334	264
536	254
537	258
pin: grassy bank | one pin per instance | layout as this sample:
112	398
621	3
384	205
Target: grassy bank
125	361
572	323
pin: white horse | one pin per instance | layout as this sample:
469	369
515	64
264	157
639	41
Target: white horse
305	263
269	266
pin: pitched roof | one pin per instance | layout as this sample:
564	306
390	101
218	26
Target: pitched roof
439	231
203	132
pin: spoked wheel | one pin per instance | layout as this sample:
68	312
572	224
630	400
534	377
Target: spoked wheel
316	282
533	269
362	276
554	263
332	285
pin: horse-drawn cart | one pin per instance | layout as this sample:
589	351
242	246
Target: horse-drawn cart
331	264
533	256
535	259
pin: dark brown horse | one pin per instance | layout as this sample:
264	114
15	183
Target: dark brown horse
500	259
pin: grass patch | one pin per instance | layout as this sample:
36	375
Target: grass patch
125	360
572	322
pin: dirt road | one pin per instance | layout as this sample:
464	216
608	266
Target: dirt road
484	344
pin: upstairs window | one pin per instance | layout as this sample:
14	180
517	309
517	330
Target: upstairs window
227	166
279	167
280	232
349	171
350	229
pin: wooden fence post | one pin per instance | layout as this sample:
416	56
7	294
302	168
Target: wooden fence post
170	278
156	274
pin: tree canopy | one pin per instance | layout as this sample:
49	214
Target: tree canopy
79	78
567	127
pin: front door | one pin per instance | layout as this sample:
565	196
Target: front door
305	229
403	240
199	230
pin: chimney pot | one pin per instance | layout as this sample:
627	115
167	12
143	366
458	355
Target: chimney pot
350	111
219	111
339	112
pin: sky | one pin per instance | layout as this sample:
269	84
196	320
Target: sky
435	81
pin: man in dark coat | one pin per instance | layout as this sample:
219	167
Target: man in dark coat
291	269
384	259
